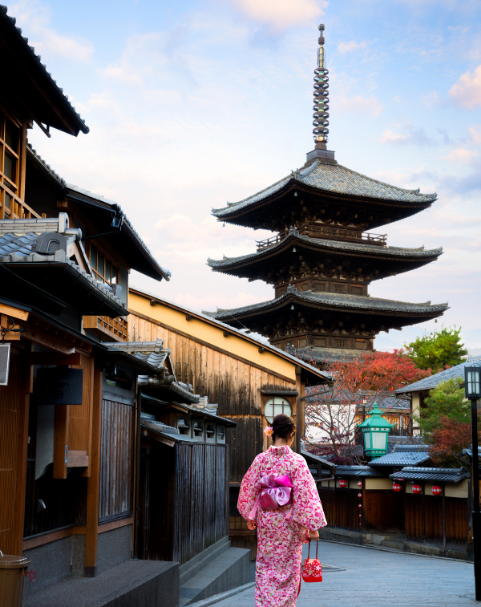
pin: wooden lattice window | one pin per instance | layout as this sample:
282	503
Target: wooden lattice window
276	405
10	144
103	266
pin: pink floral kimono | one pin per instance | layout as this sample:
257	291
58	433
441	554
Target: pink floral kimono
279	533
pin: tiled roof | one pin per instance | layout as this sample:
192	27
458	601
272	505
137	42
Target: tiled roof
12	21
325	355
448	475
154	353
428	383
401	458
335	245
357	471
127	226
333	178
231	329
18	238
384	400
339	300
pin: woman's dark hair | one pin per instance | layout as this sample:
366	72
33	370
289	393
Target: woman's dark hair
282	426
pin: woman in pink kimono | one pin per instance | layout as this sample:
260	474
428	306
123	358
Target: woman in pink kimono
279	495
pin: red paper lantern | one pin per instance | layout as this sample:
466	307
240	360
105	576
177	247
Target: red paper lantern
396	487
416	488
342	483
436	490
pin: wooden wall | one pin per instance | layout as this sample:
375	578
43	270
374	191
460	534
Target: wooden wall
12	410
234	384
383	511
187	502
116	460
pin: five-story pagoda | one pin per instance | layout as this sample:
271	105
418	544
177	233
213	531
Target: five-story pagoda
324	257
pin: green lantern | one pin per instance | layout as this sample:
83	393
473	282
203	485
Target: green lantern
375	430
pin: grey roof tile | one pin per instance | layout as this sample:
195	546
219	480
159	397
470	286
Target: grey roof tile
358	471
333	178
334	245
339	300
448	475
428	383
401	458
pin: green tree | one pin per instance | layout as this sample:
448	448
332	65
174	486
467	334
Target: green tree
438	350
445	401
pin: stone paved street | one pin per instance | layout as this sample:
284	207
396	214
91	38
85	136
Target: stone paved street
380	579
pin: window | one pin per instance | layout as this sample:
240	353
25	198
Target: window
103	267
275	406
10	138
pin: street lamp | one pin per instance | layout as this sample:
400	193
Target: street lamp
375	431
472	376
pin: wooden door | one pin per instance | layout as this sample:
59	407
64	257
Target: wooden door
143	529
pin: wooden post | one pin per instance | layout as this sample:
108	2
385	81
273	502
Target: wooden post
93	482
136	528
444	518
299	410
21	488
60	449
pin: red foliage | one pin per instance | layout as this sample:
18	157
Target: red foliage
448	440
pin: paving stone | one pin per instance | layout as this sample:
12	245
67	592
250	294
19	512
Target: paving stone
374	578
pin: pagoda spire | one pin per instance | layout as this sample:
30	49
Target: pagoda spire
321	104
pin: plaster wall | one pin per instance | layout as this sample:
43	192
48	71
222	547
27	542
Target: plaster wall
457	489
212	334
379	483
415	409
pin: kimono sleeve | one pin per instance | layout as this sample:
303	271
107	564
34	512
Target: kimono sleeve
248	491
307	508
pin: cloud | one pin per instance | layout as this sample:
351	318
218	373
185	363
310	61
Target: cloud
36	18
475	134
280	15
431	99
409	135
467	91
363	105
347	47
461	155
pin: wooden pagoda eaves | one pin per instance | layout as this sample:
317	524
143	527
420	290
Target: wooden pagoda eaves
328	192
296	254
28	88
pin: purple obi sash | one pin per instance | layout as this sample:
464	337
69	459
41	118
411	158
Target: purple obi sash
276	492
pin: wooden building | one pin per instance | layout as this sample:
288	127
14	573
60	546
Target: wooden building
428	513
249	380
324	257
417	392
68	402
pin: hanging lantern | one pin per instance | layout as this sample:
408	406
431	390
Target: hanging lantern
396	487
436	490
342	483
359	484
375	430
417	489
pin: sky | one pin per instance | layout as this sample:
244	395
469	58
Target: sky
193	103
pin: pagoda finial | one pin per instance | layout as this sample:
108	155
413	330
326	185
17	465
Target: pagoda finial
321	105
321	96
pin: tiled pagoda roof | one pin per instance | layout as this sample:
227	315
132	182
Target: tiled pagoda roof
334	245
335	178
339	301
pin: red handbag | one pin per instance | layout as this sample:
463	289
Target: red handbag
312	570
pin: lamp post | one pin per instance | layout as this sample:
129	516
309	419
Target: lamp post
375	432
472	376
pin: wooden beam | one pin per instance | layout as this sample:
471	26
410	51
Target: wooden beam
41	337
13	312
53	358
21	487
93	483
77	459
60	445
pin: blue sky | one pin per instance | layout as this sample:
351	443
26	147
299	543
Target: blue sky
195	103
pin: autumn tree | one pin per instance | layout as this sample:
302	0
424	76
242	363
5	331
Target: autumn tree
332	414
438	350
448	440
446	400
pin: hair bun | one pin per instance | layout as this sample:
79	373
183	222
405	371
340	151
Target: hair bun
282	426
